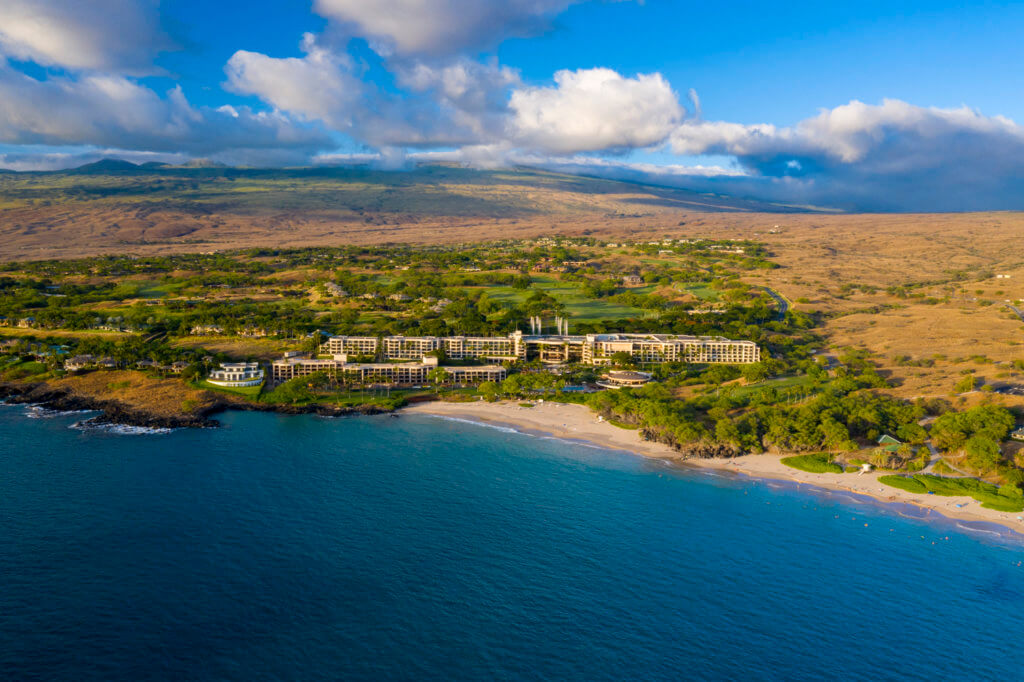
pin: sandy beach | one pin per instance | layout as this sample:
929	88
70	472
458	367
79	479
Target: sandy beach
578	422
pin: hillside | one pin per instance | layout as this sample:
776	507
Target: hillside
117	207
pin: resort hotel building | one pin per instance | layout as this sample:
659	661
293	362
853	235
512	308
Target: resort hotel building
237	374
590	349
409	360
391	373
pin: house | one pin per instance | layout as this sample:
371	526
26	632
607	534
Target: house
632	280
334	290
145	364
237	374
399	297
178	367
888	443
79	362
207	330
107	363
1018	434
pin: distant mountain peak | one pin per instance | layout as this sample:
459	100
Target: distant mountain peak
106	166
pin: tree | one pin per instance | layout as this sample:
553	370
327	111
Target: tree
965	385
439	376
488	389
622	359
755	373
982	453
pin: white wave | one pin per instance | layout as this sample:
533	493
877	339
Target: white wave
975	529
40	412
119	429
496	427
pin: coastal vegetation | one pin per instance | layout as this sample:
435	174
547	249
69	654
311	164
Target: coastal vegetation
816	464
1009	498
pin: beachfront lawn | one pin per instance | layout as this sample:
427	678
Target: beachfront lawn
251	392
1006	499
815	464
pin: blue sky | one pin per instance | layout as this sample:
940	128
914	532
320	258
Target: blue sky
876	105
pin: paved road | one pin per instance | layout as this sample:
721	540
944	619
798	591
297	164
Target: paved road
1020	313
782	302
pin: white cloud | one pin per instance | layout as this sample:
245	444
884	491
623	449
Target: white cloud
117	35
889	156
439	27
851	133
595	109
114	111
470	97
452	102
319	86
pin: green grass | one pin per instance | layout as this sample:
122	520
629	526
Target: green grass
815	464
568	294
252	392
623	425
990	496
701	291
778	384
23	370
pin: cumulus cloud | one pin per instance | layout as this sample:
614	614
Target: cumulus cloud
470	96
114	111
889	156
319	86
448	102
116	35
439	27
595	109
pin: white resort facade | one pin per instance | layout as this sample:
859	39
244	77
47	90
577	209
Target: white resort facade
391	373
237	375
589	349
409	360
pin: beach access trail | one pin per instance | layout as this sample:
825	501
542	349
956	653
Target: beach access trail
577	422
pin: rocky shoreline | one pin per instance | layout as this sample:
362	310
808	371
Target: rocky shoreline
113	412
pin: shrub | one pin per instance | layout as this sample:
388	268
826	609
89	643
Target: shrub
815	464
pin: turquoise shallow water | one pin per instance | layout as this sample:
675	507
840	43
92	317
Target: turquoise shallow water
417	548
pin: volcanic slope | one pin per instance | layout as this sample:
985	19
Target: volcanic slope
116	207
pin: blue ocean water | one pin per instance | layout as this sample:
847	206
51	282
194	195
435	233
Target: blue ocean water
417	548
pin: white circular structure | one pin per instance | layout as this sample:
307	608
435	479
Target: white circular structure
237	375
621	378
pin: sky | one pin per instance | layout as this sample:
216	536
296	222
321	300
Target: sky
892	105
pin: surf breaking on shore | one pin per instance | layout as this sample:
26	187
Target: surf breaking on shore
577	423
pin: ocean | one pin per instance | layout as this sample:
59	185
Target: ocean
375	548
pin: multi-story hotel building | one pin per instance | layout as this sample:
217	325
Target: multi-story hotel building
591	349
395	373
598	349
350	345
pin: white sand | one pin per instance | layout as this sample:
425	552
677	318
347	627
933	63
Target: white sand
578	422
